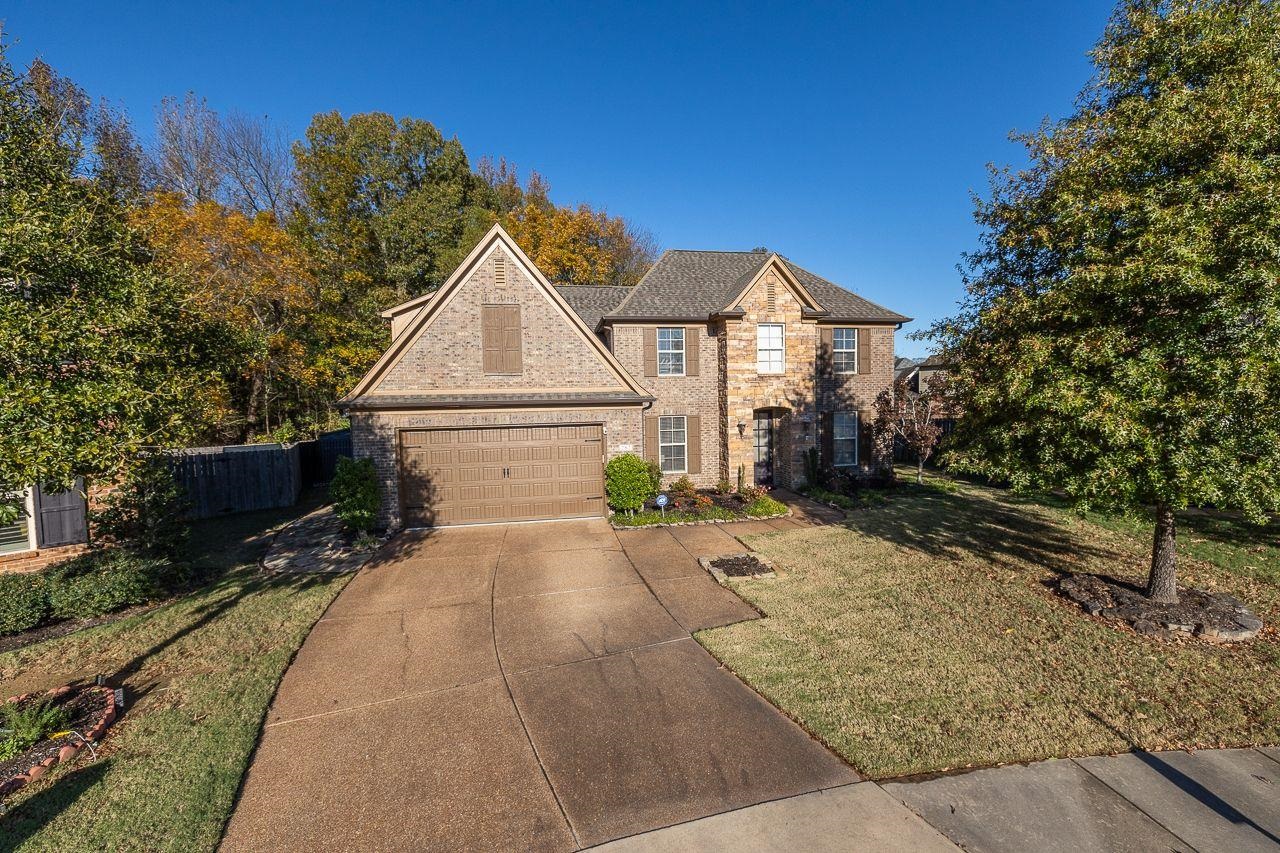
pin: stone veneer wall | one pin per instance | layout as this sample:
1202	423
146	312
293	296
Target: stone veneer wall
681	395
374	436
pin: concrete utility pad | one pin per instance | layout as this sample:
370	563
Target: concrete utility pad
445	771
837	820
545	630
1215	800
1049	806
561	571
661	735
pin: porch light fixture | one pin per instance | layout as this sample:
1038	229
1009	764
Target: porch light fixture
742	429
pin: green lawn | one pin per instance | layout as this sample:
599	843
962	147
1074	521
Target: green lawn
920	636
199	673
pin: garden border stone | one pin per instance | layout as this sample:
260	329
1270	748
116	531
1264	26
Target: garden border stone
70	750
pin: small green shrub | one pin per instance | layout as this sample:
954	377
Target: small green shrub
102	581
749	494
765	505
355	494
724	487
828	497
684	488
147	511
814	473
24	602
630	481
27	725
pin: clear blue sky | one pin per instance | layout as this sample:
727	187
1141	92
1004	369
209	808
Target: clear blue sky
848	137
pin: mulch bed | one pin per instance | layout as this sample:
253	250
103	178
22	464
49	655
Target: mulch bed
1215	616
91	709
741	566
68	626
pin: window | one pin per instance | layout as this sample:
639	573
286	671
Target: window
844	350
671	352
16	536
672	445
844	438
770	351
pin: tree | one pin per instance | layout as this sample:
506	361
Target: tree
249	274
1120	337
99	355
912	416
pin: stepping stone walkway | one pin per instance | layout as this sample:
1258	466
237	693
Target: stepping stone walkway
315	543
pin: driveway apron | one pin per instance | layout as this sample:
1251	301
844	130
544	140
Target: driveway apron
528	686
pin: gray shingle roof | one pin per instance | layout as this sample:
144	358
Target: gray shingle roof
445	401
593	301
686	284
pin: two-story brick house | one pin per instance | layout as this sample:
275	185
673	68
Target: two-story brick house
501	395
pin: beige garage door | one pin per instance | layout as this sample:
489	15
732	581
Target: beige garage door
487	474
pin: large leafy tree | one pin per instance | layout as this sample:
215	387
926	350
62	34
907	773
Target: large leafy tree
100	356
1120	340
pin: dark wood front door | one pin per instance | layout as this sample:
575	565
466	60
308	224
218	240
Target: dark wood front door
764	434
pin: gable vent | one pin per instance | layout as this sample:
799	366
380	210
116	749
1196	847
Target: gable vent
500	270
771	293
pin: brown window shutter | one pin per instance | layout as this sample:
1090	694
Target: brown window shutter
650	352
512	341
827	426
651	439
691	341
825	344
865	430
491	338
864	350
693	449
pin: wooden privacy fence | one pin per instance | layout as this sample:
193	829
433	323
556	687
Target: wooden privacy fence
239	478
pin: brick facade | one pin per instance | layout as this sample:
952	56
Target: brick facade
555	357
30	561
682	395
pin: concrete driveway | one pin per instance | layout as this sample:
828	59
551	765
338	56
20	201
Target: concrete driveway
520	687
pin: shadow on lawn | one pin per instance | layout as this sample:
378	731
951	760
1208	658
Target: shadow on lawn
970	523
29	818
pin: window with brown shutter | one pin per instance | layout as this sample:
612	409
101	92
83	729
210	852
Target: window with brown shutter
691	340
650	351
501	339
864	350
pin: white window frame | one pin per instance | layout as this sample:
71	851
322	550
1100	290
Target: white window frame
836	439
672	351
668	424
762	366
28	504
851	352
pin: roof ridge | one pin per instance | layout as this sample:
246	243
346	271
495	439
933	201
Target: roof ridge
635	288
791	263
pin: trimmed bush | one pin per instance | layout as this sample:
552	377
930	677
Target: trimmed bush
102	581
355	494
147	511
765	505
24	602
630	481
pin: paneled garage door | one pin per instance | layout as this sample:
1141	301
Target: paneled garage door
487	474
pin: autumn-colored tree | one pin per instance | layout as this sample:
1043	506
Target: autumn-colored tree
1120	340
912	417
100	355
249	274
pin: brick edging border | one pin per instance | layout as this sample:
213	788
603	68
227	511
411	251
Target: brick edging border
69	750
704	521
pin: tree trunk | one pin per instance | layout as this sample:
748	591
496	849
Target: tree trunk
919	470
1162	584
251	407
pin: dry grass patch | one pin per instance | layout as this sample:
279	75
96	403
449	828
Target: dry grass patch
920	636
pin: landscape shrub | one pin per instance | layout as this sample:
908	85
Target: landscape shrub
630	481
724	487
765	505
750	494
102	581
27	724
146	512
684	488
355	494
24	602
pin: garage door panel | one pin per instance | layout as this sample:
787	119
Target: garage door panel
491	474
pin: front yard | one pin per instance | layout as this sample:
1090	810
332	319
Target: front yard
199	673
921	636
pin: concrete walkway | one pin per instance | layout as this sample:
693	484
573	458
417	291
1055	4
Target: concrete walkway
529	687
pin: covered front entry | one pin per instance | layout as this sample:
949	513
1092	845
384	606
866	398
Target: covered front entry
501	473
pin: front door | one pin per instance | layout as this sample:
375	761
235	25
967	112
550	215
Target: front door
764	448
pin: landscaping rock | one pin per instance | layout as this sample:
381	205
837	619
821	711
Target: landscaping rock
317	543
1215	616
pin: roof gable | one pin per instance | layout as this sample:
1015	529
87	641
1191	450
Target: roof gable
449	359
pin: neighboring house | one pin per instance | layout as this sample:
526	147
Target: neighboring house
501	396
54	526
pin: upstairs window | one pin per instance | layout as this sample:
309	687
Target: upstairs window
673	445
844	350
671	352
770	348
844	438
